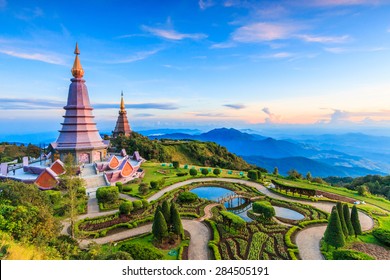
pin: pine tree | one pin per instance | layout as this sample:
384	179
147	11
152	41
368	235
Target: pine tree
159	228
177	226
340	211
355	221
166	210
334	234
347	219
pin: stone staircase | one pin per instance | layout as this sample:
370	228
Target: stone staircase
88	170
95	181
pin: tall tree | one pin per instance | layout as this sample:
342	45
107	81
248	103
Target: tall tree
347	218
308	176
159	228
340	211
166	210
276	171
177	226
72	183
355	221
334	234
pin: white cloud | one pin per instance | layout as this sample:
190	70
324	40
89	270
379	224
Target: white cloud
272	118
204	4
48	58
223	45
137	56
262	32
171	34
324	39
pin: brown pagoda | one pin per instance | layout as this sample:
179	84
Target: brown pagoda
122	124
79	135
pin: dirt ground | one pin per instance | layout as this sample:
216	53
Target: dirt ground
376	251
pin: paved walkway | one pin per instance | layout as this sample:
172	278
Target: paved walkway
307	240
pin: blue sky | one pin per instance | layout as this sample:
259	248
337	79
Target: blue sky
321	65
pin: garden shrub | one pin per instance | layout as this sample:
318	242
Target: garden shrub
175	164
120	186
232	219
383	235
350	255
127	188
137	204
107	194
181	174
187	197
264	208
193	172
139	252
126	207
145	203
153	184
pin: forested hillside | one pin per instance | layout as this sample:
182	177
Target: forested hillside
186	152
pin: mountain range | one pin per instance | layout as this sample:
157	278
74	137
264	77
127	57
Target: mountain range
333	155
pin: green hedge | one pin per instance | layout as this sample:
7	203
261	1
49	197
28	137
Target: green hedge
264	208
312	222
287	237
187	197
383	235
181	250
213	244
107	194
350	255
293	253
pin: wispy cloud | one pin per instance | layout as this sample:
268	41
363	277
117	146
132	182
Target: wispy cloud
279	55
344	2
29	104
204	4
235	106
263	31
210	115
171	34
48	58
223	45
144	115
159	106
136	57
340	116
272	118
29	13
354	50
324	39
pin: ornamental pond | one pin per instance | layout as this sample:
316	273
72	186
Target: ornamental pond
240	206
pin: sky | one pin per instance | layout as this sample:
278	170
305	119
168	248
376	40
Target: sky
313	66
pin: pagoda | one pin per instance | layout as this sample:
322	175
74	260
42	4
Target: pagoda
79	135
122	124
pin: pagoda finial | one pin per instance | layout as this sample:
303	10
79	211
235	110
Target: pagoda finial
77	69
122	103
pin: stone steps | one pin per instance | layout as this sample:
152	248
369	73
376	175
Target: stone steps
95	181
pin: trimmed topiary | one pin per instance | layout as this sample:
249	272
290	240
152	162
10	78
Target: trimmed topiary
159	228
347	218
340	211
126	207
177	226
264	208
355	221
334	234
193	172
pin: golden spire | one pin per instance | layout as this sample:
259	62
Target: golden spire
77	69
122	108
